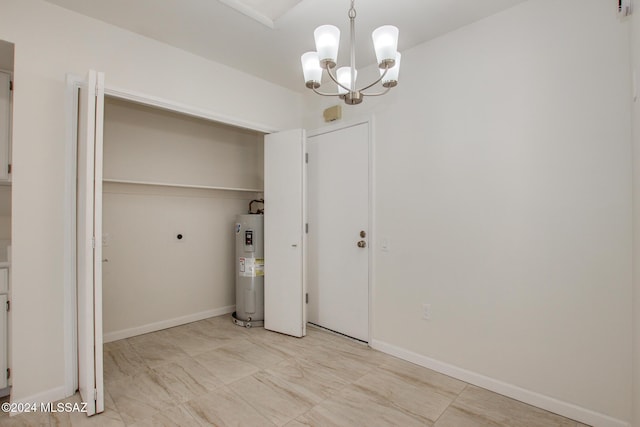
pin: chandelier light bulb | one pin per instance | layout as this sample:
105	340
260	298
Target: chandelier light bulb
327	39
391	78
344	78
385	43
311	69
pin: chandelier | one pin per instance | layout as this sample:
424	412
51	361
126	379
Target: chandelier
327	38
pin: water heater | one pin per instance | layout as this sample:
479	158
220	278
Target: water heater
249	260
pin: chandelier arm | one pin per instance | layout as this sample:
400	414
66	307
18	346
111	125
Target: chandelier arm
324	93
377	81
377	93
336	81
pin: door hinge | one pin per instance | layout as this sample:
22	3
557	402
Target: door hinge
8	373
306	228
9	168
11	85
306	157
306	298
95	394
8	305
93	242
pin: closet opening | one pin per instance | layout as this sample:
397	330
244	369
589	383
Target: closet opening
172	187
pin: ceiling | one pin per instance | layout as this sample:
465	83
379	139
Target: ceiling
238	33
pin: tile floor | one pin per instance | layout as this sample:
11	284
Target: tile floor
215	373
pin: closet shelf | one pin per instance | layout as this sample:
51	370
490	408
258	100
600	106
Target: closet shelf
166	184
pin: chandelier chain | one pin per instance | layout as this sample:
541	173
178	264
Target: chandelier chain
352	10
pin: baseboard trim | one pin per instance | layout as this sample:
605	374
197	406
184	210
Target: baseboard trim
46	396
559	407
168	323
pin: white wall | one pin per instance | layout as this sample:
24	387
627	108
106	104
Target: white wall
503	182
635	57
50	42
152	279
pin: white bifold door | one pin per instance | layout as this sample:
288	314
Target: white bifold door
89	242
284	238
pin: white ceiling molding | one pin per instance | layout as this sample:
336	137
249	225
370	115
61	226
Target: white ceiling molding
264	11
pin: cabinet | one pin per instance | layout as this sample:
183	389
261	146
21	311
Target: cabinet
5	125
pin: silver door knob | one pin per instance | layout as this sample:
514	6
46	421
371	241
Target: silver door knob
362	244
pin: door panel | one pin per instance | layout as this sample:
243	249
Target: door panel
89	222
338	201
284	285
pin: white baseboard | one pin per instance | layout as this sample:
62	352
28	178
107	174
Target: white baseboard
164	324
46	396
532	398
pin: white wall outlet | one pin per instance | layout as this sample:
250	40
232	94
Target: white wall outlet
105	239
426	311
385	244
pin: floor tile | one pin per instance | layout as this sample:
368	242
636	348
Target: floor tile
252	353
185	379
318	380
225	366
275	398
283	345
155	350
175	416
31	419
109	418
140	397
489	407
422	402
200	337
422	377
353	407
460	417
121	362
343	364
222	407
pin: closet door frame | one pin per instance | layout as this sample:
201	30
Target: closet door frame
73	84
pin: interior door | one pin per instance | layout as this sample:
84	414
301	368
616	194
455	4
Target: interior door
284	183
338	239
89	242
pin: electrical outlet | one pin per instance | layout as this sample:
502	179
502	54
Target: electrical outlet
426	311
385	244
105	239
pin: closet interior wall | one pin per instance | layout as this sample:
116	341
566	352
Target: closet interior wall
168	174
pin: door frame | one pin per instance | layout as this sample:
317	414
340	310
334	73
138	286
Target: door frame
369	121
73	83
